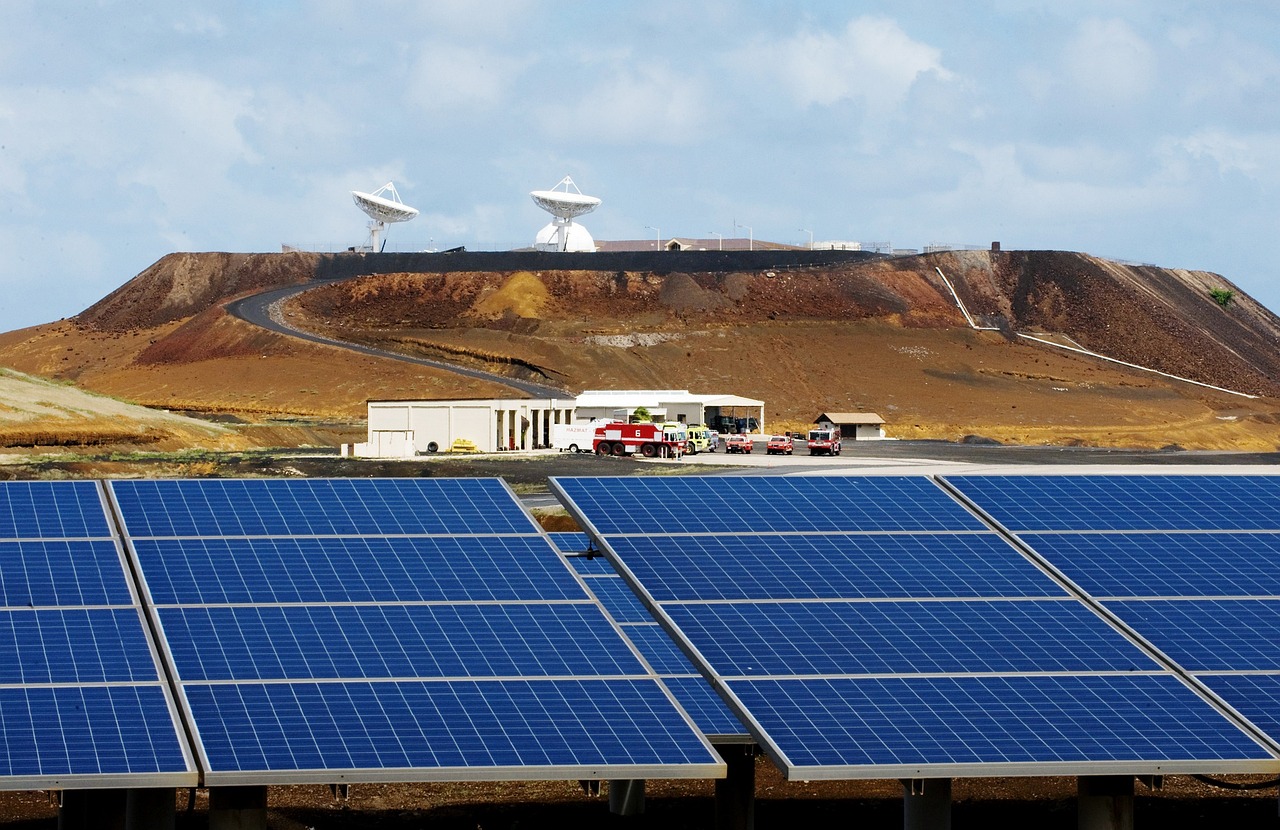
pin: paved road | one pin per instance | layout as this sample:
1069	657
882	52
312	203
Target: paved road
258	311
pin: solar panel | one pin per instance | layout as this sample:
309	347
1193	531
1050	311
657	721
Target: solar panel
317	507
746	504
52	510
391	630
1185	561
903	639
1126	502
82	700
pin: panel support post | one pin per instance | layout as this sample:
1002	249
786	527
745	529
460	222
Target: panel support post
89	809
151	808
237	808
736	792
626	796
1104	802
926	803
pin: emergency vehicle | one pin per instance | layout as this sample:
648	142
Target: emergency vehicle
824	441
649	440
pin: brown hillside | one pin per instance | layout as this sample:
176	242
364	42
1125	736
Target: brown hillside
883	335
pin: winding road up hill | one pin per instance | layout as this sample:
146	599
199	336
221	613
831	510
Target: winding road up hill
806	333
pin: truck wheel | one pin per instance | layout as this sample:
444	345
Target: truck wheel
619	448
648	450
432	446
573	448
603	448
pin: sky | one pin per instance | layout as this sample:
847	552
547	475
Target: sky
1141	130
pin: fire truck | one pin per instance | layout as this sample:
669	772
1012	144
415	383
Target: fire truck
649	440
824	441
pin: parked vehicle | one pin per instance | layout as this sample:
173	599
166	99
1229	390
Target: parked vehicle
824	442
649	440
737	443
778	445
578	437
699	439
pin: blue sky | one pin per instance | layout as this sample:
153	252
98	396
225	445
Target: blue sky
1144	130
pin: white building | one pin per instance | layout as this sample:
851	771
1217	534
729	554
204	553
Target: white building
723	413
402	429
853	426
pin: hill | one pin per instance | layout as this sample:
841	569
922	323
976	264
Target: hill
805	335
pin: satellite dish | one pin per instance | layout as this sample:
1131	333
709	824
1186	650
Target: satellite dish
562	234
382	209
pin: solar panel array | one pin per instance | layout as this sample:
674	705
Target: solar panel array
1189	562
708	711
875	627
82	698
328	630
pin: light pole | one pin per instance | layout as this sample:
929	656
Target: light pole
721	238
658	232
751	241
802	230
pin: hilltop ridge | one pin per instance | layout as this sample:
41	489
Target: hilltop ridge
804	334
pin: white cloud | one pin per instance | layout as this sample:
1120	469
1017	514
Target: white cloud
648	104
872	62
446	78
1107	60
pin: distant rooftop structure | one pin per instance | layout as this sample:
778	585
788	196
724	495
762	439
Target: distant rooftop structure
686	243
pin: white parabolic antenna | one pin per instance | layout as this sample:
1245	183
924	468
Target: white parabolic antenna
565	202
382	206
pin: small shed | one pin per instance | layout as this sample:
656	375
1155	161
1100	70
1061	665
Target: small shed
854	426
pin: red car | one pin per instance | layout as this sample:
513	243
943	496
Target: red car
737	443
778	445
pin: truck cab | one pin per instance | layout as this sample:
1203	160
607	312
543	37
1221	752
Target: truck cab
698	439
824	441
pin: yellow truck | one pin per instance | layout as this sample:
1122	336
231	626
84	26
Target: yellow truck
698	438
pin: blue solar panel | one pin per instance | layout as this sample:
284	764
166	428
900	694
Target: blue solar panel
317	507
52	510
47	573
90	731
1256	696
618	599
1165	564
831	566
845	638
355	569
394	641
826	727
570	542
421	726
1126	502
744	504
1209	635
708	711
74	645
657	648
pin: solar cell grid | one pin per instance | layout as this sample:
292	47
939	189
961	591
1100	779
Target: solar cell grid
1256	696
656	646
861	638
74	645
724	504
1209	635
354	569
1164	564
1126	502
387	641
311	507
52	510
56	573
826	727
619	600
441	726
830	566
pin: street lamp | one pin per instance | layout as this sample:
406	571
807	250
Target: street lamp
658	232
721	238
751	242
802	230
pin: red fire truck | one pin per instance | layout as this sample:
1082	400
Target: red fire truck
824	441
650	440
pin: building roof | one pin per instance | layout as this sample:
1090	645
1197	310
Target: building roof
658	397
690	244
849	418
